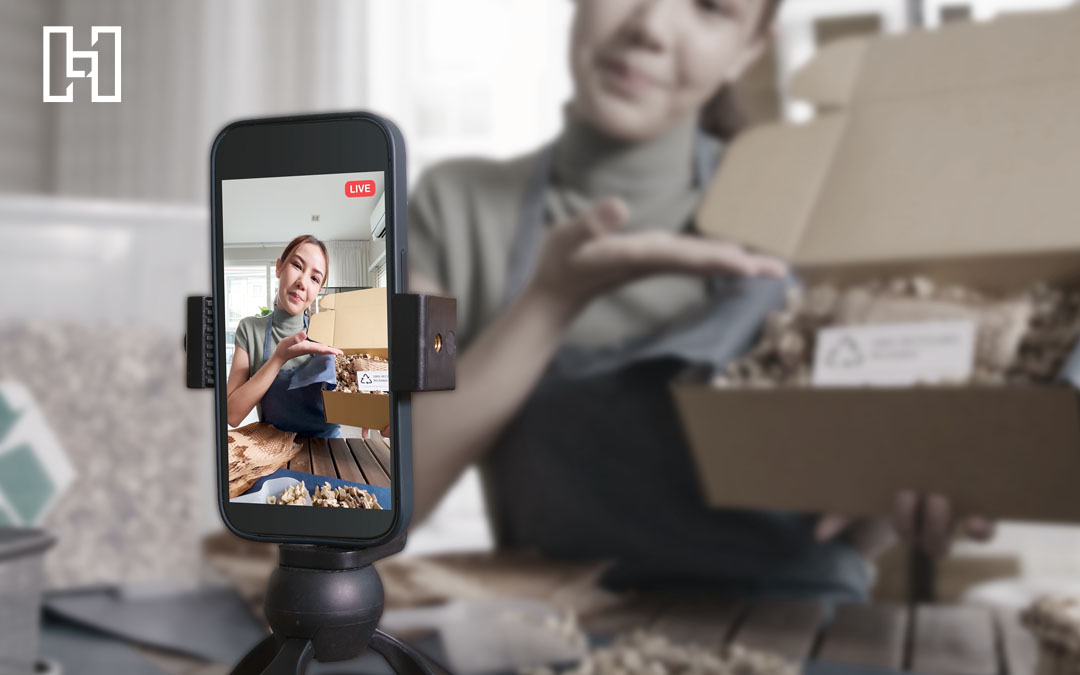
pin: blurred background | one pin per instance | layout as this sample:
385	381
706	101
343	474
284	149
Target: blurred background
104	225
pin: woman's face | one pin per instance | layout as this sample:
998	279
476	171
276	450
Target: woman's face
642	66
300	276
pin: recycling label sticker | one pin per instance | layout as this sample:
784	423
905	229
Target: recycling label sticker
373	380
897	354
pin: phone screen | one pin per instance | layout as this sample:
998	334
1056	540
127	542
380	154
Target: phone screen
306	341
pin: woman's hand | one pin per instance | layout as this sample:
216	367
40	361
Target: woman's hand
298	345
586	256
931	523
927	522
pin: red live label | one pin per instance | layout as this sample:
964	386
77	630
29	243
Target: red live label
360	188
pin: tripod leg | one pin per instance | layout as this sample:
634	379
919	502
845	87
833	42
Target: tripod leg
292	658
402	658
256	660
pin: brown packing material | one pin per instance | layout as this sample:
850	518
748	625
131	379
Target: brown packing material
355	323
953	154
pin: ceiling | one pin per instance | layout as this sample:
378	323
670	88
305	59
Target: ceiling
256	210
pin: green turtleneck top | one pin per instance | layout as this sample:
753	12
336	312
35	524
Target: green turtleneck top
463	215
251	333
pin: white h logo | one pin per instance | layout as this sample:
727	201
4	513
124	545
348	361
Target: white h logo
68	31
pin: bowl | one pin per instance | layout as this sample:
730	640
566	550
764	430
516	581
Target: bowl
274	486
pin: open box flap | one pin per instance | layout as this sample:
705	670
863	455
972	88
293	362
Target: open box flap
352	320
321	327
1013	51
954	144
828	81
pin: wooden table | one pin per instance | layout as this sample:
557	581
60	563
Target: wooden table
931	639
353	459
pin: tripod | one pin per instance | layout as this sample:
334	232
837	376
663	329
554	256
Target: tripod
325	604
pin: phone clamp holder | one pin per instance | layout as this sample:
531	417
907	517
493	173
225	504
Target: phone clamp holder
325	603
422	342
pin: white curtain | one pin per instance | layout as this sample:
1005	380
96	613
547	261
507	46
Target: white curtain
189	68
349	261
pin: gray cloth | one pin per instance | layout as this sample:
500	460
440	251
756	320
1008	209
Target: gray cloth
212	623
81	651
711	334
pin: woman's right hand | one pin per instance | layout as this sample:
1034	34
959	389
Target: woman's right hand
587	256
298	345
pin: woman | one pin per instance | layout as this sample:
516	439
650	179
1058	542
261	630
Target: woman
270	351
582	292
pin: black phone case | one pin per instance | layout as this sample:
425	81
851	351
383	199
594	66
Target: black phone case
397	268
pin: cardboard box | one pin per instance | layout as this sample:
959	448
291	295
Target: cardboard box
355	323
954	154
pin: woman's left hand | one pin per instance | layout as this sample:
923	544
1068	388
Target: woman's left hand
928	522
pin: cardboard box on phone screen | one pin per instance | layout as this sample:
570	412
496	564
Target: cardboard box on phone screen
953	154
355	323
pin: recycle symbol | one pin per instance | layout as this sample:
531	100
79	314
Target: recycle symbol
365	379
845	354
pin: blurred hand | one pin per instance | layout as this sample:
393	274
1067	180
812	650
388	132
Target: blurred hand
587	256
930	522
870	536
299	345
927	522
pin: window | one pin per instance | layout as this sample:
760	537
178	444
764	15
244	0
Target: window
246	294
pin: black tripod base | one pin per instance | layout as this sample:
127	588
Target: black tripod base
325	604
293	656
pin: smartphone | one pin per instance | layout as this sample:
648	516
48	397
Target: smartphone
308	246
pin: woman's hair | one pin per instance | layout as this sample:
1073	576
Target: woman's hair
308	239
721	115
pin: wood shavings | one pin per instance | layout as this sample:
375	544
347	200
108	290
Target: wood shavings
1021	339
564	625
645	653
1055	619
1055	623
325	496
294	495
346	497
347	367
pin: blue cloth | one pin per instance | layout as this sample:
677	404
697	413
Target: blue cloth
294	400
312	481
1070	371
319	370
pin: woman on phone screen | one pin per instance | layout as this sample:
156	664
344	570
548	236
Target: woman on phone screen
272	351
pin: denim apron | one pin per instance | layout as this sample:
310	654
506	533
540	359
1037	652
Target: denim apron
294	400
594	465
